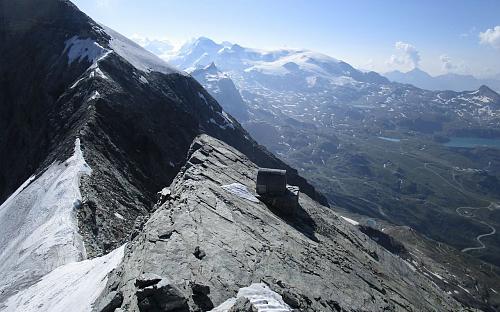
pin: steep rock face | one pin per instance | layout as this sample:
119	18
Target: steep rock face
33	74
64	76
209	239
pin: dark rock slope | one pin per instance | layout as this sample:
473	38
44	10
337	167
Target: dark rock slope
205	242
64	76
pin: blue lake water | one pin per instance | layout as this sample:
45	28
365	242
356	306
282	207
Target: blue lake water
389	139
472	142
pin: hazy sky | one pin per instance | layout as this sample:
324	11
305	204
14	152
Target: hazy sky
382	35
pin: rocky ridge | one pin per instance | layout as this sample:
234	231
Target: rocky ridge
204	243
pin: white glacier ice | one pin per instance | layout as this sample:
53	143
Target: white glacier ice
38	224
79	49
72	287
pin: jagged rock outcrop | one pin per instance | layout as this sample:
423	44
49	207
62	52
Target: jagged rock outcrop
221	239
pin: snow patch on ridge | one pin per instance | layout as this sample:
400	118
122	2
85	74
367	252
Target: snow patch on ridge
71	287
95	96
202	97
98	72
261	297
240	190
351	221
80	49
38	225
226	116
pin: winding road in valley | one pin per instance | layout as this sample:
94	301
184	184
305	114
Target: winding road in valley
460	210
455	185
479	237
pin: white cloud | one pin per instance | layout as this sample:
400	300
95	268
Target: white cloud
407	56
491	36
446	62
448	65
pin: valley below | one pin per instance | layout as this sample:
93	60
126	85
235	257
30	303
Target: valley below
415	183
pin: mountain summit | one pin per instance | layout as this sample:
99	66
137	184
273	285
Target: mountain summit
233	57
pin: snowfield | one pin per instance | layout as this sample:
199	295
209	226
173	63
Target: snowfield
72	287
261	296
349	220
240	190
297	60
80	49
38	225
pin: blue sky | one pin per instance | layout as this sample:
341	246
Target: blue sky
382	35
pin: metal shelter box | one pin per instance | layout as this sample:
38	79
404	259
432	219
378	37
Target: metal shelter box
271	181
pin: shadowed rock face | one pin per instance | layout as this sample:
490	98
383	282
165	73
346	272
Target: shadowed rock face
244	242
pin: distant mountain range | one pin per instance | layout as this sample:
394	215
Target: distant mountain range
454	82
311	69
203	50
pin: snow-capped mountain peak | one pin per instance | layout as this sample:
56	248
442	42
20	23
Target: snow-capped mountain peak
242	62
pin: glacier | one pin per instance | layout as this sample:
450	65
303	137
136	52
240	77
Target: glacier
38	225
71	287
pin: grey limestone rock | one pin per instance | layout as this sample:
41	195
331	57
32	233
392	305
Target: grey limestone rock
314	260
159	295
